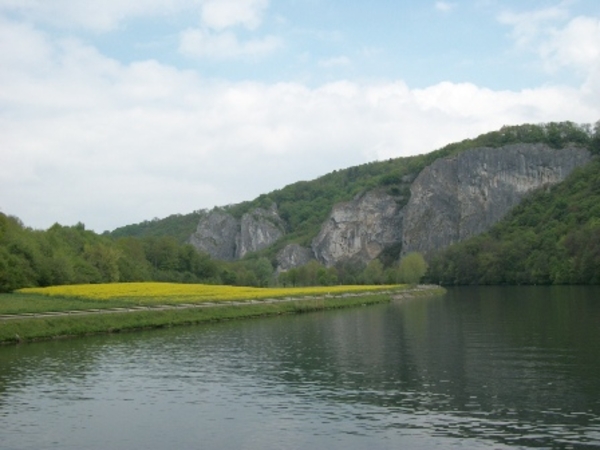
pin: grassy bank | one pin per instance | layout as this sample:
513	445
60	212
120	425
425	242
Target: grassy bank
79	323
148	293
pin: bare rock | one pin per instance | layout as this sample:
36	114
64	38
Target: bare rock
293	255
216	235
359	229
258	229
456	198
226	238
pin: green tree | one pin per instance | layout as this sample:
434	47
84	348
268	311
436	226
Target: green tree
263	270
328	276
289	277
133	265
373	273
162	253
595	143
105	259
412	268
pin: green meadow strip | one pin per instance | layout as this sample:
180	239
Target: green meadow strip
155	292
36	303
45	328
68	311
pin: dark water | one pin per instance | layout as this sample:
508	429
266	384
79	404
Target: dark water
479	368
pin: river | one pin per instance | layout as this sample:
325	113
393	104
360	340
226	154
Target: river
497	368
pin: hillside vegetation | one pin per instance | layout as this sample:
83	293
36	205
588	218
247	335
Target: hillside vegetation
177	226
304	205
550	238
74	255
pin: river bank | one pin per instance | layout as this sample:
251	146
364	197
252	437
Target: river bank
47	325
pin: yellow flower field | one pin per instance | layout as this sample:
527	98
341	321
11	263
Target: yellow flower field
152	292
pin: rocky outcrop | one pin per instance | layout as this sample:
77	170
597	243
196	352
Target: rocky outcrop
258	229
226	238
359	229
450	200
293	255
216	234
456	198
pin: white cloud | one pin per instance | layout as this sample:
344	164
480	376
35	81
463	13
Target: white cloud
200	43
336	61
215	40
220	14
106	15
444	6
576	45
529	27
560	42
95	15
87	138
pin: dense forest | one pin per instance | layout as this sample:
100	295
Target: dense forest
177	226
552	237
74	255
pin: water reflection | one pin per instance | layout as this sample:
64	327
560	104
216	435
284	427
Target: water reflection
479	368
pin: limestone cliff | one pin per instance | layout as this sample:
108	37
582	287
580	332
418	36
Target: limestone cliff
293	255
456	198
359	229
216	235
258	229
450	200
226	238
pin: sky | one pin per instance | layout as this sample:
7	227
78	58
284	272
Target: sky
114	112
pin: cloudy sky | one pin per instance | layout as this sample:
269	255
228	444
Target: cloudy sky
117	111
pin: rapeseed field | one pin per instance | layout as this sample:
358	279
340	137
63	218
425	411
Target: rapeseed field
153	292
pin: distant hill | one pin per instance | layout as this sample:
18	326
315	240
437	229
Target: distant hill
551	237
177	226
304	205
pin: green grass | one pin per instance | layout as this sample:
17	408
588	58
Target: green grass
30	329
36	303
33	329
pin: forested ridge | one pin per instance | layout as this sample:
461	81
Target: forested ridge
177	226
552	237
304	205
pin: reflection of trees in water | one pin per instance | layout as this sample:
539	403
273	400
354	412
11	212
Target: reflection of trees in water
492	363
506	358
55	368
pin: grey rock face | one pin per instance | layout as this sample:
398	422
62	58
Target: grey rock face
451	200
456	198
216	235
259	229
359	229
224	237
293	255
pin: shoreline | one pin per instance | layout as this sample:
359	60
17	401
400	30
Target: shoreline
45	326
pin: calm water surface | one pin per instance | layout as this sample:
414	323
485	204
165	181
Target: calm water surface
478	368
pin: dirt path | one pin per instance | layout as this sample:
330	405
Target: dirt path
85	312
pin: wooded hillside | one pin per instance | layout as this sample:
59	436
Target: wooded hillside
304	205
552	237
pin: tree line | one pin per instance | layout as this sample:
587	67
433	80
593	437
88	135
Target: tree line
74	255
551	239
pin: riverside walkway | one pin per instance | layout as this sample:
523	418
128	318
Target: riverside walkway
407	293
